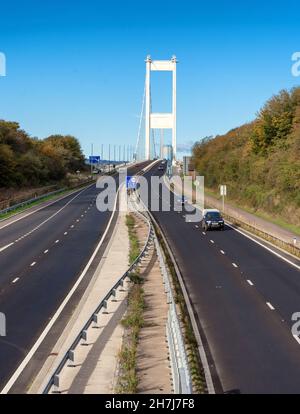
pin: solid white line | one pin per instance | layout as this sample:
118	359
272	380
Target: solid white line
33	264
6	247
250	283
234	265
15	280
30	354
222	251
297	338
270	305
265	247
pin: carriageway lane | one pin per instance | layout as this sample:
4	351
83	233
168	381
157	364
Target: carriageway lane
30	302
251	348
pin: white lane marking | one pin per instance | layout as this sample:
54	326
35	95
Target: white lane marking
30	354
33	264
45	221
270	305
222	251
15	280
77	221
44	206
46	251
212	241
265	247
250	283
297	338
6	247
56	241
197	227
234	265
72	226
65	233
204	233
81	215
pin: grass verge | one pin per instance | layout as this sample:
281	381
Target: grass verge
132	322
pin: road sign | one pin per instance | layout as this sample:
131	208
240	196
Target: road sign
94	159
223	190
131	182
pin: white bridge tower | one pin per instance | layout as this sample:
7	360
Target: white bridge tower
160	120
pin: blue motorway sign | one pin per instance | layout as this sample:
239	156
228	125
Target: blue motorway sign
131	182
94	159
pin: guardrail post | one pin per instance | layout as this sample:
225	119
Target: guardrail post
114	294
104	312
96	320
71	358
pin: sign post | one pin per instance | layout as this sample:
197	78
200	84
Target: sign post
223	193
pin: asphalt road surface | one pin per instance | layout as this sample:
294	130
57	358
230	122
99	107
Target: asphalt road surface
41	257
243	297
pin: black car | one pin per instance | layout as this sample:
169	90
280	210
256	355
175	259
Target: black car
212	219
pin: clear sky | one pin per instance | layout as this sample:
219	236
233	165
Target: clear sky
77	67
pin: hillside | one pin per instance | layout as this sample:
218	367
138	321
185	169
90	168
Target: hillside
259	161
29	162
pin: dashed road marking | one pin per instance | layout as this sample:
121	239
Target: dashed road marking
46	251
234	265
65	233
204	233
212	241
15	280
33	264
250	282
222	251
56	241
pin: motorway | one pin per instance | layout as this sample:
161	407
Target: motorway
243	295
41	257
243	298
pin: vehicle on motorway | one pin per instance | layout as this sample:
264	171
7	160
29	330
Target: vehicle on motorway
212	219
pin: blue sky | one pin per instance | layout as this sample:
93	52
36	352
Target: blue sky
77	67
